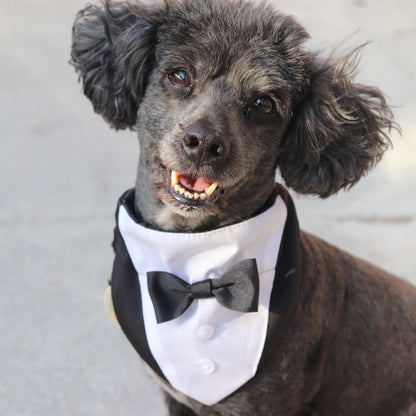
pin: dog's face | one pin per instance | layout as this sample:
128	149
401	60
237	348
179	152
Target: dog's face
220	94
211	118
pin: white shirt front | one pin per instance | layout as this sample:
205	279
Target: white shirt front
209	351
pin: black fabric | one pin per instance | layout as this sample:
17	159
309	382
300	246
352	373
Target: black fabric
237	289
284	296
201	290
283	301
126	296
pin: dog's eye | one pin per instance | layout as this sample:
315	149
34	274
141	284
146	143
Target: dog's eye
180	78
264	105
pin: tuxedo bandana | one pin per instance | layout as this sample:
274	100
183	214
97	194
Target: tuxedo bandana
197	306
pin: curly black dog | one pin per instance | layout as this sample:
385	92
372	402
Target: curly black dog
221	94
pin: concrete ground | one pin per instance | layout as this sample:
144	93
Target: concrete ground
62	170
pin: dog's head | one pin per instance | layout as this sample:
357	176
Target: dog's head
221	94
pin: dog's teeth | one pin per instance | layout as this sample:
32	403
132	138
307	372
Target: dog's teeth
210	190
174	179
191	195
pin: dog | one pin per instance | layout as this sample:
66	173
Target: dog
221	95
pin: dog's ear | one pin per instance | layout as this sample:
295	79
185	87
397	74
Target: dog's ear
112	49
337	133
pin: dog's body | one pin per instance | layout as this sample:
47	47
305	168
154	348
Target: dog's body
221	94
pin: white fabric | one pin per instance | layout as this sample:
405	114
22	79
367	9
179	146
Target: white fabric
209	351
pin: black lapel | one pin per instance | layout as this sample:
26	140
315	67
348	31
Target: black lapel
286	285
125	289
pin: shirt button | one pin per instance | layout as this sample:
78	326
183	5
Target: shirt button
206	332
207	366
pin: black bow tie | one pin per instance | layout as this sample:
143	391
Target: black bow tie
237	289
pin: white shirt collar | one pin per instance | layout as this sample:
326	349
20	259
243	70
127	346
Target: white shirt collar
198	256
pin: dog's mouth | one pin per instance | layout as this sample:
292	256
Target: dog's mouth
190	189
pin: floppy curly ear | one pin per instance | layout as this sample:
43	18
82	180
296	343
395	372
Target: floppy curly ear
337	133
112	49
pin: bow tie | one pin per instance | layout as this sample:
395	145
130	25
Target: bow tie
237	289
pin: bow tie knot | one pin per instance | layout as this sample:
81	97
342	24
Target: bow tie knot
201	290
237	289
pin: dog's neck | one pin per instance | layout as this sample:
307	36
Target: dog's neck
157	215
166	220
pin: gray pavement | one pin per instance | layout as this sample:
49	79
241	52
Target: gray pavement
62	170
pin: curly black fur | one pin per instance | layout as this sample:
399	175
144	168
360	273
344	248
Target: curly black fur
113	50
339	131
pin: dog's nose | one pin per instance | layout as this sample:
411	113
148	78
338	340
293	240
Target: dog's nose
203	144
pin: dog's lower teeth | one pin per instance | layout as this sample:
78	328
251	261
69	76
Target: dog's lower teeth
203	196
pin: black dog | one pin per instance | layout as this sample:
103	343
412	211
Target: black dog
221	94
